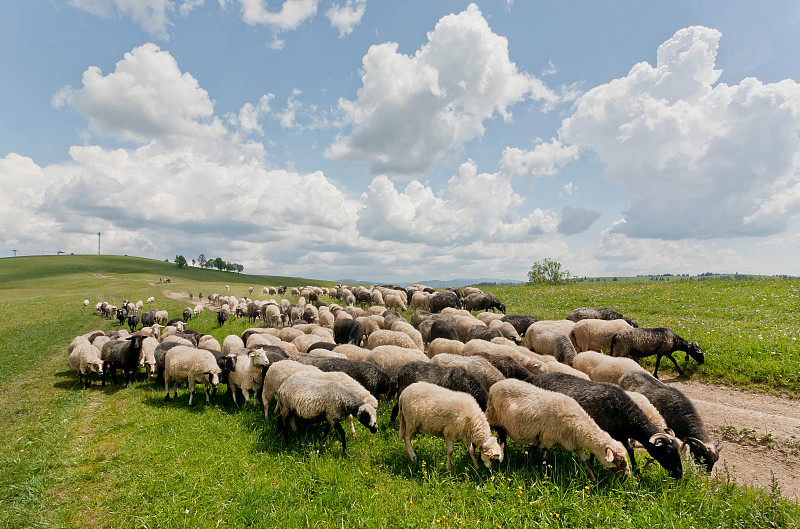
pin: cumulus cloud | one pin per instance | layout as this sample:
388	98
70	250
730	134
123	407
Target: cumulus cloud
249	115
411	110
702	159
576	220
346	17
151	15
473	207
545	159
145	98
291	15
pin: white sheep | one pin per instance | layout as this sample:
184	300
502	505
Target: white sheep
209	343
351	351
247	373
276	375
377	298
506	329
421	301
85	303
231	343
604	368
549	341
453	415
85	359
391	358
326	319
288	334
148	359
595	335
463	323
272	315
161	316
445	346
564	326
307	340
183	363
532	416
261	339
151	299
405	327
312	399
394	301
489	317
477	366
384	337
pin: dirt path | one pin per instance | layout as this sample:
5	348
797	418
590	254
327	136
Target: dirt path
761	433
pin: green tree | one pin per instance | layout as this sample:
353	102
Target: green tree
202	260
219	264
239	268
548	272
180	261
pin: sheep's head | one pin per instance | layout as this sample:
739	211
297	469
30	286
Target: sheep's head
95	367
666	450
213	377
491	452
615	459
368	417
258	357
696	352
705	454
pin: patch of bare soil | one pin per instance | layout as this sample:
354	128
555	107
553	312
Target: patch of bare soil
760	433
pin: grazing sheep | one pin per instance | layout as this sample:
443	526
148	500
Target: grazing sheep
161	316
276	375
521	322
231	343
478	367
348	331
483	301
615	412
374	379
595	334
151	299
443	299
450	377
391	358
603	368
585	313
420	301
482	332
192	365
247	374
438	328
187	314
638	343
445	346
209	343
222	317
288	334
383	337
434	410
122	354
321	400
271	314
405	327
353	352
350	383
85	359
547	341
506	330
533	416
133	321
511	367
488	317
648	409
307	340
679	413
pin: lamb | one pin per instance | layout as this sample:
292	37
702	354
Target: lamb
247	374
602	368
122	354
521	322
276	375
545	340
445	346
326	400
450	377
638	343
478	367
595	334
434	410
615	412
383	337
537	417
85	359
193	366
679	413
374	379
585	313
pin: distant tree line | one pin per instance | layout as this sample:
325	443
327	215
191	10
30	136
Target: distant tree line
219	263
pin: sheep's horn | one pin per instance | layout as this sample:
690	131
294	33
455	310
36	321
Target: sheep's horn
660	438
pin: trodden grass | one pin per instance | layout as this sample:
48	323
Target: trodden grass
113	457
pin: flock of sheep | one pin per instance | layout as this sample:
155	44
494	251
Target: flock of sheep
454	374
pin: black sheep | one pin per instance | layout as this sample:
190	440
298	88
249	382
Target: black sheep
638	343
149	318
444	299
680	414
510	367
614	411
520	322
450	377
122	354
122	314
348	331
584	313
322	345
160	356
483	301
173	321
187	314
252	312
133	322
222	317
482	332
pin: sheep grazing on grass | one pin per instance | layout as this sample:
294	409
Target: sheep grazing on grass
638	343
532	416
679	413
483	301
276	375
248	372
547	341
405	327
187	364
585	313
443	299
383	337
603	368
133	321
521	322
478	367
595	335
312	400
509	366
482	332
161	316
450	377
391	358
506	330
615	412
445	346
85	359
374	379
151	299
122	354
453	415
348	331
353	352
148	359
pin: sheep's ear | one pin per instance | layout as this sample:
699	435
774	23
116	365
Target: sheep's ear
609	454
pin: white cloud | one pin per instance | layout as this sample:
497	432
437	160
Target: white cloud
545	159
411	110
473	207
187	6
702	160
346	17
151	15
249	115
291	15
550	70
298	116
145	98
576	220
569	188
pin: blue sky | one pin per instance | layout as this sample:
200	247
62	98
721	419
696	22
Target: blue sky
400	141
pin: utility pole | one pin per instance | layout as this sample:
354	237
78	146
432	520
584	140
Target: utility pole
98	243
15	253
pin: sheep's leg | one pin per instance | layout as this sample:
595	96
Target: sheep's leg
352	426
191	391
207	385
586	465
166	388
339	429
501	437
471	450
246	395
632	457
394	412
680	372
409	448
232	391
175	389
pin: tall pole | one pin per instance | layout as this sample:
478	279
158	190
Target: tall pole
98	243
15	253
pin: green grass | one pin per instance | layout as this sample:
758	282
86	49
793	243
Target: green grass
113	457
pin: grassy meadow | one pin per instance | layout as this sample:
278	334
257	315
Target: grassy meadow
113	457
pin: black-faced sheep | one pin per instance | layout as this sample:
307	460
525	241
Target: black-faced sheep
521	322
533	416
614	411
638	343
122	354
133	321
222	317
679	413
483	301
453	415
348	331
